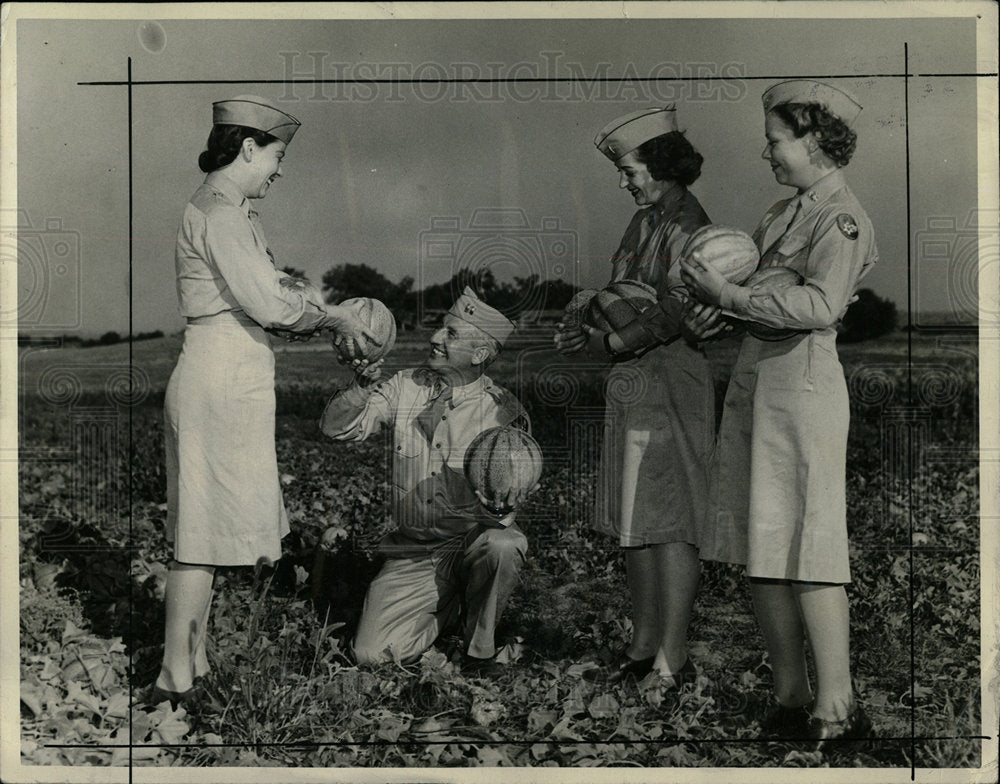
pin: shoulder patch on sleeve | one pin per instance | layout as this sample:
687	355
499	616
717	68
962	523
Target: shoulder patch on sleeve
847	225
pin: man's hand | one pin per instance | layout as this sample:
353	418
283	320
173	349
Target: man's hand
503	507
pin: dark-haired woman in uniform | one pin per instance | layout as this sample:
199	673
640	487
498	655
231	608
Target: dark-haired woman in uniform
778	502
224	497
659	416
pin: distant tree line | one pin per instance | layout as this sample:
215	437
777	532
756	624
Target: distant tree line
870	316
107	339
510	297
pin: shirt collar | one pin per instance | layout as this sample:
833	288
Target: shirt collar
468	391
224	185
671	200
822	189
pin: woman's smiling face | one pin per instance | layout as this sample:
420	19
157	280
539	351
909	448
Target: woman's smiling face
266	165
788	156
634	176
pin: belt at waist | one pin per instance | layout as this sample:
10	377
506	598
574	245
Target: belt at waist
225	317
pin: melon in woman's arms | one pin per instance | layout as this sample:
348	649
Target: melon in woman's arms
731	251
575	312
768	281
619	304
379	319
502	460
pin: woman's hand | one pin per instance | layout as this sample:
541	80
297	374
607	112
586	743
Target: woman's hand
703	281
569	340
703	322
351	332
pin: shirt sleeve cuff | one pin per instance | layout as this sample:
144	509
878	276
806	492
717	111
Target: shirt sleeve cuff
734	298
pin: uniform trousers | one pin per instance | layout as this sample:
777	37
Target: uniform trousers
414	598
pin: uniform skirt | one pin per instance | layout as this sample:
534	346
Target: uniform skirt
224	504
778	478
658	434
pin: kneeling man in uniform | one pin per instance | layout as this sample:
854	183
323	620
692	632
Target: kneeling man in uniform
452	556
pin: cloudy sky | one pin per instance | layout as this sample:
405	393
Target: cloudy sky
414	179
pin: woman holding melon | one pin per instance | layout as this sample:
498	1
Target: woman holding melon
224	499
778	502
659	421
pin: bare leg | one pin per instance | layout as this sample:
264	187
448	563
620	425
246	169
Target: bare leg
188	598
678	570
825	612
641	567
774	603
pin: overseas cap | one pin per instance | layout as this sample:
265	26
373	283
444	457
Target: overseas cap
831	98
473	310
255	112
623	134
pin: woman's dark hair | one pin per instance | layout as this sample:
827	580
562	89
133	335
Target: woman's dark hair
834	137
224	143
670	156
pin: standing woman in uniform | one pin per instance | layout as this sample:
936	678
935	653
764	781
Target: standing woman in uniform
652	486
224	497
779	485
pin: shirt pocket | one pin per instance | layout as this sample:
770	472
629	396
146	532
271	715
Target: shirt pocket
786	365
792	252
409	451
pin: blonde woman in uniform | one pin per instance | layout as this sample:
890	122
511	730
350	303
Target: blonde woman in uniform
779	480
224	498
653	477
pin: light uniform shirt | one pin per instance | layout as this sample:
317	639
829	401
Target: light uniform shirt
830	242
432	502
223	263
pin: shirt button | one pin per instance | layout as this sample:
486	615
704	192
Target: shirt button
433	473
399	449
444	416
437	445
430	501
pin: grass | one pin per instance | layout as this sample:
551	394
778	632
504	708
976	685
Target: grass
280	672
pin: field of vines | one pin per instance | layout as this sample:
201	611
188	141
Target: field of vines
283	690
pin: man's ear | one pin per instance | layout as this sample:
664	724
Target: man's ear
480	355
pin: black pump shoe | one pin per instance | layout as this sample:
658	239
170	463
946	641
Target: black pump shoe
787	723
623	668
686	674
829	735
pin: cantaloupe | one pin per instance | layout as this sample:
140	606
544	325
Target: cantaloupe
575	312
501	460
767	281
731	251
618	304
380	320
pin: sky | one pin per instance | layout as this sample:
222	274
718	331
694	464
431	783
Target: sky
422	179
